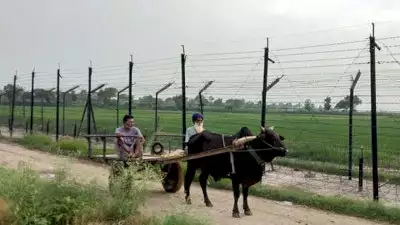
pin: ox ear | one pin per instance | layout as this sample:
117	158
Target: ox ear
281	137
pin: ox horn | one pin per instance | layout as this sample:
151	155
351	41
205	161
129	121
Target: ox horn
262	129
243	140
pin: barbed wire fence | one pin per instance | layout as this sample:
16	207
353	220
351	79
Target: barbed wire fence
308	104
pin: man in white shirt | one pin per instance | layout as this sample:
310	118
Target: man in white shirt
130	146
197	119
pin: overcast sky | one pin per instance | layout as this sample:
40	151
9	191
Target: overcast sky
43	33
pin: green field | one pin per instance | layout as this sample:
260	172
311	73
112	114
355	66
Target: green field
318	137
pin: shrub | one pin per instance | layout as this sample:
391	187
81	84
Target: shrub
38	141
71	146
34	200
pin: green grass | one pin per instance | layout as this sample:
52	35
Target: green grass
315	137
38	201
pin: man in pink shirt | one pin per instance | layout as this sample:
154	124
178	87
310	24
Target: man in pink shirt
128	146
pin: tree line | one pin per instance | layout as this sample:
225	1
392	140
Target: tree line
107	98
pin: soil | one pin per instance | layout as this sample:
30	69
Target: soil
264	211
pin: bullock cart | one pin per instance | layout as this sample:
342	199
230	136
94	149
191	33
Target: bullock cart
170	162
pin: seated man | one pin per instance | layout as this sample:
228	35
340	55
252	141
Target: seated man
128	146
197	127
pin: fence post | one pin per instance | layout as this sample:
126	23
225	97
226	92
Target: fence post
58	103
130	86
201	98
118	95
265	80
13	105
87	106
63	112
41	114
75	129
89	101
374	136
23	109
361	170
351	106
183	61
32	99
156	107
48	127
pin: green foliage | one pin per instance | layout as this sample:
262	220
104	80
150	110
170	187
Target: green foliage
40	201
345	102
72	146
327	103
38	141
36	201
309	106
129	188
183	219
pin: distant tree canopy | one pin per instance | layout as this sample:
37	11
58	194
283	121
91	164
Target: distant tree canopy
106	97
309	106
344	104
327	103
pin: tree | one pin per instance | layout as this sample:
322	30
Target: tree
148	101
106	95
235	103
82	96
44	95
8	91
178	101
308	105
218	102
327	104
344	104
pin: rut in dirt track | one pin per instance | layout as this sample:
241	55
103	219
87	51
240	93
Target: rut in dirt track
264	211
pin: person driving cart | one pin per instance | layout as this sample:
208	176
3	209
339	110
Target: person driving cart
129	139
197	119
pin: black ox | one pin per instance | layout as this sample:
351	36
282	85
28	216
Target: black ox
249	162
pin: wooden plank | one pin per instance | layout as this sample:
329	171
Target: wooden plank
159	159
198	155
107	135
162	134
116	157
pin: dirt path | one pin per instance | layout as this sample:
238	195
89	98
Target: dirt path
264	211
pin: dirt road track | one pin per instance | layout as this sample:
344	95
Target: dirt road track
264	211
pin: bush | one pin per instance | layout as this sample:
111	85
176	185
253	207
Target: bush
34	200
72	146
38	141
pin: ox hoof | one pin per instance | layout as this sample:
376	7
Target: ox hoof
188	201
209	204
248	212
235	215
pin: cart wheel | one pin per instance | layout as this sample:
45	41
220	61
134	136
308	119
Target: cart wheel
173	180
157	148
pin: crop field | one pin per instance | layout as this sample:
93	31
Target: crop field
310	137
